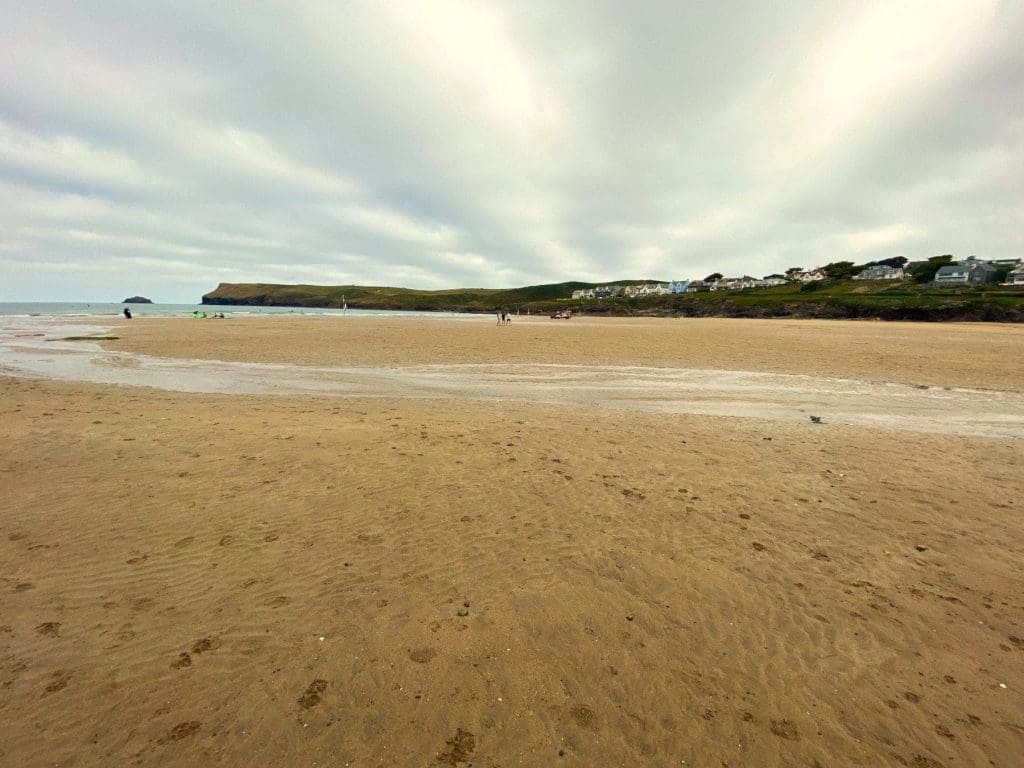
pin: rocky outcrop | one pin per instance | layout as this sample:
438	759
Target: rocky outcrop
137	300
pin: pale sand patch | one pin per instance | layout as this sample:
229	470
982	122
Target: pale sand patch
642	589
980	355
662	388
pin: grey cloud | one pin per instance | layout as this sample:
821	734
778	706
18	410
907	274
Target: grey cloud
163	148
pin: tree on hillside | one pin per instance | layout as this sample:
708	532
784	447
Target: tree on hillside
712	277
793	270
895	261
1002	273
839	270
924	272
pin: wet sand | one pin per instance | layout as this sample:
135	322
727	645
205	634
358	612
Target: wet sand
505	583
980	355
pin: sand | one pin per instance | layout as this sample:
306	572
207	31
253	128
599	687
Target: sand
239	580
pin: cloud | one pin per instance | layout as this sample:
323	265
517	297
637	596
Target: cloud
165	148
68	159
872	240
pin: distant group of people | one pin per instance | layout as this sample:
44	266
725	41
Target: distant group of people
504	317
195	314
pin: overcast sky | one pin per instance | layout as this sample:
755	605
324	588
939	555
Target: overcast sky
162	148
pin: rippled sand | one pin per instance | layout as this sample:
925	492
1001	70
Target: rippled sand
449	572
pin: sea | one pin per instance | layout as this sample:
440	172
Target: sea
105	309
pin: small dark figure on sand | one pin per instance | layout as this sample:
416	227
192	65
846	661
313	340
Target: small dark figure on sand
127	313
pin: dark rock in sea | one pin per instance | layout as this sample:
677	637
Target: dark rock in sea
137	300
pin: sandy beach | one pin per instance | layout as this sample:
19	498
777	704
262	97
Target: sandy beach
489	578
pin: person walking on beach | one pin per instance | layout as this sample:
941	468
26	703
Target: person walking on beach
127	314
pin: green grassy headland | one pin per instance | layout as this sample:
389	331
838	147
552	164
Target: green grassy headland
896	300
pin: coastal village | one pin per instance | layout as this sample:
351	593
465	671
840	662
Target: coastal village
968	271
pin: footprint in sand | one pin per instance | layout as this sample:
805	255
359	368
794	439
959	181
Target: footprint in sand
585	717
460	748
311	697
422	655
184	660
785	729
59	682
206	644
180	543
24	586
49	629
181	731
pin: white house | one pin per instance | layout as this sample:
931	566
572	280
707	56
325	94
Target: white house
678	286
1016	277
809	276
880	272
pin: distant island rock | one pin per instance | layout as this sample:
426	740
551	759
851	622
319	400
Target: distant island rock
137	300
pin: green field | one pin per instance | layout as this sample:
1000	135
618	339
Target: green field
902	300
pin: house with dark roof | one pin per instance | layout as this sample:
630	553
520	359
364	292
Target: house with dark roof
965	274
